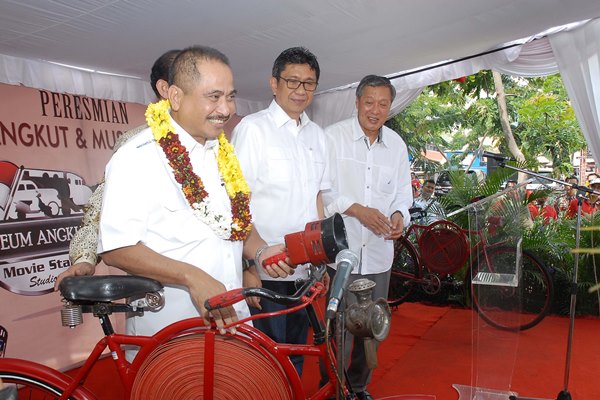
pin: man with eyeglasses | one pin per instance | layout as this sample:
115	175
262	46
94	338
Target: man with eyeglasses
283	156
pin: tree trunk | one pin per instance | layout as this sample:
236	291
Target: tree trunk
508	135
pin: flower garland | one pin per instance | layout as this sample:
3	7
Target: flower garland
236	227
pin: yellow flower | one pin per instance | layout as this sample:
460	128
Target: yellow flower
158	119
230	169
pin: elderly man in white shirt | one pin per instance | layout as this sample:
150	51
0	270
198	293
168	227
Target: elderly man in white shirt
157	220
371	189
283	156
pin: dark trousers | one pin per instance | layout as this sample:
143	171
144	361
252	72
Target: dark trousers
287	328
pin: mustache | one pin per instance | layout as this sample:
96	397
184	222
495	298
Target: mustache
225	117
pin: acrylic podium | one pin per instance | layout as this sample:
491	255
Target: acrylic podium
496	292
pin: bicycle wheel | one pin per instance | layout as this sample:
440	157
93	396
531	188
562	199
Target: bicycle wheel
511	308
405	268
37	382
29	387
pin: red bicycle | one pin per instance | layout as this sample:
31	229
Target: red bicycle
186	360
427	255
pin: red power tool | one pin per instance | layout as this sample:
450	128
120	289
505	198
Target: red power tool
318	244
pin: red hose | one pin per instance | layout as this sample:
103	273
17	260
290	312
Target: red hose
176	370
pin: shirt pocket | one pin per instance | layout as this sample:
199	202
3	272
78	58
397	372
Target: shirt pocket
386	183
318	166
279	162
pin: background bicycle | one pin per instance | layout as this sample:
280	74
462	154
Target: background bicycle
508	286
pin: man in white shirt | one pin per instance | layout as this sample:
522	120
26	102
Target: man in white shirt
371	189
431	209
283	157
151	227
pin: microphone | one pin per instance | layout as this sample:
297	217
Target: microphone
497	157
346	261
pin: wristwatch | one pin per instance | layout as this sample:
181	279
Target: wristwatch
399	212
247	264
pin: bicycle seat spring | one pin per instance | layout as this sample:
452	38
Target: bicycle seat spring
71	315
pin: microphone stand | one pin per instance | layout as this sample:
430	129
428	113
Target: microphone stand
581	190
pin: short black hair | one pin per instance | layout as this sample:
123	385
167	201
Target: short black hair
295	55
428	181
573	177
160	69
184	70
375	81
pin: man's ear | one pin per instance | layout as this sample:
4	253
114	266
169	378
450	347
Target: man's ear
162	87
175	94
273	83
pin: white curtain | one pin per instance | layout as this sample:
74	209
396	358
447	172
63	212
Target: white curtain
61	79
578	55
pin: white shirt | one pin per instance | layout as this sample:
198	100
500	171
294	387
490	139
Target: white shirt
286	166
144	204
432	208
374	175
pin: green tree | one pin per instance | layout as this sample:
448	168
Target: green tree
535	118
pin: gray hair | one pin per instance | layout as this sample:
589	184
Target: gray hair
375	81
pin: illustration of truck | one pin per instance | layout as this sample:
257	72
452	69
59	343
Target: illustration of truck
27	193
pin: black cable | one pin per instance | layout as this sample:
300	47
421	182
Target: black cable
455	61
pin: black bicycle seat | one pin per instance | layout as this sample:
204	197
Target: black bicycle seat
106	288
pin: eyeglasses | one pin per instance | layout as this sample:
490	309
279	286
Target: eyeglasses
295	84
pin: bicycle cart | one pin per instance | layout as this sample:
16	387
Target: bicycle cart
185	360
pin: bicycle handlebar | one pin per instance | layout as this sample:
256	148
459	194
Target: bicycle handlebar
233	296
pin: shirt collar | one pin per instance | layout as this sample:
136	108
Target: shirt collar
358	134
280	117
188	141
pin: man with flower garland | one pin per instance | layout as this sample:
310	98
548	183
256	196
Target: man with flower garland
284	158
176	206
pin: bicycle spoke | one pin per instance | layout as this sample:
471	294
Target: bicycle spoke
404	270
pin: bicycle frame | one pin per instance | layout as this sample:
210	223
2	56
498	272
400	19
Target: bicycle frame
277	352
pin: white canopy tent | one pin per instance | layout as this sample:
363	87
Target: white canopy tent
118	40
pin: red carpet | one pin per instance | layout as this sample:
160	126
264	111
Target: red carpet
531	363
430	348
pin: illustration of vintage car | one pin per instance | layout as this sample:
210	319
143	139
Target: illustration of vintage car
27	193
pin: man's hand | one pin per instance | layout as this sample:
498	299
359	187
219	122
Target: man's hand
279	270
204	287
79	269
252	279
372	219
397	226
326	282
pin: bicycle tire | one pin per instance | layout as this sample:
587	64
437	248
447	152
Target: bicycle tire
512	308
405	265
30	387
37	382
